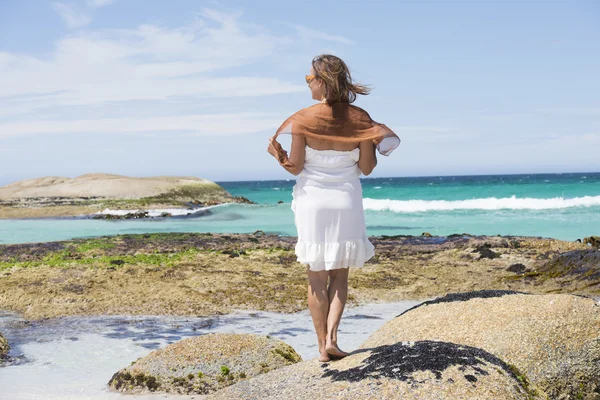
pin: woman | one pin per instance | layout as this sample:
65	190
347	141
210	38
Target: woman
333	142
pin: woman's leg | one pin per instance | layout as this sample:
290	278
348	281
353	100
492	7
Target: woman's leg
318	304
338	294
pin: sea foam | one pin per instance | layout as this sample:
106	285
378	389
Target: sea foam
159	212
490	203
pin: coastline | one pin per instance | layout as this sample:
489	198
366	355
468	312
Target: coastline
213	274
109	196
114	209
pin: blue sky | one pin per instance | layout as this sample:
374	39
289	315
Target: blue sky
195	88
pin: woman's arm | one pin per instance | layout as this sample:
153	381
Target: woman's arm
294	164
367	159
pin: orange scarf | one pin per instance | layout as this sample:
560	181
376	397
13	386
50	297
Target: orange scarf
339	122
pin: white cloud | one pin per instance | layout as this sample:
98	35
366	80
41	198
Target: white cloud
146	63
150	64
73	18
183	125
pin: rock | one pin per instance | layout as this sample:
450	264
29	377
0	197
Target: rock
91	186
242	200
553	340
583	265
204	364
460	235
4	348
132	215
426	234
418	370
593	241
485	251
234	253
86	194
517	268
452	297
280	202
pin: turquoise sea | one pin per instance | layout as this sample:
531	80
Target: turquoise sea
562	206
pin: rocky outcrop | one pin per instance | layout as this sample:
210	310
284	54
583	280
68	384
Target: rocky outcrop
553	340
415	370
90	193
3	347
233	271
204	364
91	186
580	265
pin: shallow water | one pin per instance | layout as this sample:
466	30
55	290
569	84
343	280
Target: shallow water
561	206
74	357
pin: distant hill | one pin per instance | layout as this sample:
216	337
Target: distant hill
98	185
89	193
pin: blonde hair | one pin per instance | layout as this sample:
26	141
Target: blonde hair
339	87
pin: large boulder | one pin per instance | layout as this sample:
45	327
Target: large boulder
204	364
553	340
3	347
411	371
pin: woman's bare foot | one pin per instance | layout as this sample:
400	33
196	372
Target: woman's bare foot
334	351
324	356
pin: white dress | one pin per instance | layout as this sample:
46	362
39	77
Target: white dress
328	211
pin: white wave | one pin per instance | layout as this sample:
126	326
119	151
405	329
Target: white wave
158	212
490	203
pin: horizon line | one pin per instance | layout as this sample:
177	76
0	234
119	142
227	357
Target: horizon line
425	176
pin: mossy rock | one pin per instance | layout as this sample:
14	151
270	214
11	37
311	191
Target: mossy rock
581	265
4	348
204	364
553	339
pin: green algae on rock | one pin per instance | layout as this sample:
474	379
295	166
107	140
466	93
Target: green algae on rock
582	265
204	364
4	348
203	274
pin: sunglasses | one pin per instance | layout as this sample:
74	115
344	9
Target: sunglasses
309	78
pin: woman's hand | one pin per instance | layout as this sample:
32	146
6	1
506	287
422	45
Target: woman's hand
296	163
275	149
